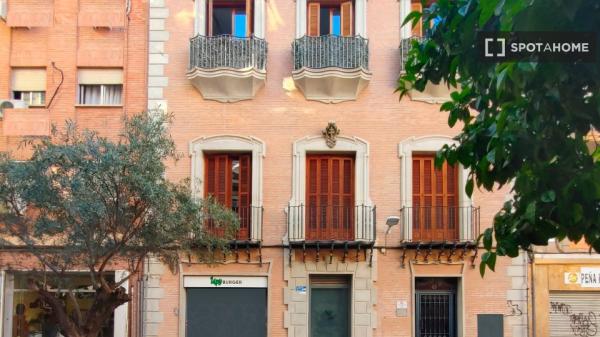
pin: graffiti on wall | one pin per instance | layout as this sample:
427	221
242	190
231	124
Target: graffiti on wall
513	309
582	324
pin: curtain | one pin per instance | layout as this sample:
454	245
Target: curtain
100	94
112	94
90	94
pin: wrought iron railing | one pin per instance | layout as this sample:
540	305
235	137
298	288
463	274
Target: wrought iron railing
248	216
226	51
332	223
440	223
317	52
405	45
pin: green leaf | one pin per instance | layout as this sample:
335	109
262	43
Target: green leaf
487	11
548	196
469	187
488	238
413	17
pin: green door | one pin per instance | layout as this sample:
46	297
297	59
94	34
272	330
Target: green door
329	307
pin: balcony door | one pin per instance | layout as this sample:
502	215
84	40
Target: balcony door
330	197
228	180
330	18
435	211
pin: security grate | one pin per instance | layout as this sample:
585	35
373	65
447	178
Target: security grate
435	314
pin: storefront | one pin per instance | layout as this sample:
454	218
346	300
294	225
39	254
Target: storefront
25	315
566	296
225	306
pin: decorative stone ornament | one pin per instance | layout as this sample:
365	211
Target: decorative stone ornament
330	133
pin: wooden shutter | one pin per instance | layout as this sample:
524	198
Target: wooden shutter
314	12
219	183
346	16
330	197
249	12
418	29
245	195
435	200
216	178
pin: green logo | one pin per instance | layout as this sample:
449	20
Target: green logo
216	281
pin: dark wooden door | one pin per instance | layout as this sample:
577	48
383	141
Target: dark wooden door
228	180
330	197
435	200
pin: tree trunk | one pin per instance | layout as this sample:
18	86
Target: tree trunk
105	303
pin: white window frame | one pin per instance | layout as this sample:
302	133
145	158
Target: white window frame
102	95
120	324
317	144
200	19
360	18
430	144
405	9
231	143
30	93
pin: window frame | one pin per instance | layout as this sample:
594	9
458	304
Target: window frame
430	144
235	6
31	92
231	143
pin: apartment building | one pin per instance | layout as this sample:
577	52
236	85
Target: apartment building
285	111
85	61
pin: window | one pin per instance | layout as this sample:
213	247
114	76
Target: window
228	180
435	307
26	315
330	197
329	306
100	86
229	18
325	18
32	98
29	85
435	199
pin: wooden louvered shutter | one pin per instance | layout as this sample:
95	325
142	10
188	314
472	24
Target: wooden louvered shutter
330	197
346	18
435	200
216	178
314	11
249	12
245	196
418	29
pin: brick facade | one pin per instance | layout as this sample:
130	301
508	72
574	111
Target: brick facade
279	116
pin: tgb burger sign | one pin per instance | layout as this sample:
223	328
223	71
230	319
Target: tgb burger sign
586	277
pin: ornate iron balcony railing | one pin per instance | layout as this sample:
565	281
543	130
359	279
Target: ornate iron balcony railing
405	45
331	223
226	51
317	52
440	223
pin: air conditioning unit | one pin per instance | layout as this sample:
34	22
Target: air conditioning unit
11	104
3	9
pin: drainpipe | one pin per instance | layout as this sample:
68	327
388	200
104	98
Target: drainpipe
533	322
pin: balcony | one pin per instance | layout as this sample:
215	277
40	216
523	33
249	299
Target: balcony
440	225
331	224
226	68
433	93
331	68
251	220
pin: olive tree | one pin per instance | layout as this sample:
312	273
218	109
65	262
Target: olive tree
92	203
